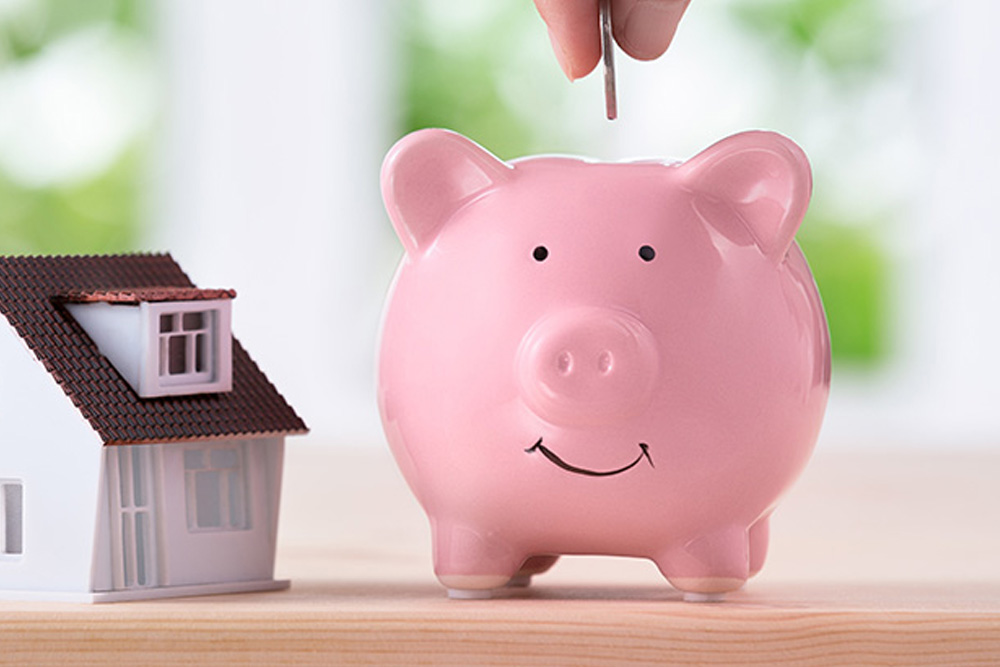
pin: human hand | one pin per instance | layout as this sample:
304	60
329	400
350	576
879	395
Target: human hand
642	28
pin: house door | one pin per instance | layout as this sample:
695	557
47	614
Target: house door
132	474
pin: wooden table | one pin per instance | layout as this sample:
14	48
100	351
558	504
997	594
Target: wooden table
886	558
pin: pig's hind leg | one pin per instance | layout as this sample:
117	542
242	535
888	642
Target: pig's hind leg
709	566
759	536
472	563
534	565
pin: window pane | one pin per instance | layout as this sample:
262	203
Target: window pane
13	509
237	511
216	489
208	496
124	476
193	321
177	355
128	549
166	323
141	537
138	477
201	353
225	458
194	459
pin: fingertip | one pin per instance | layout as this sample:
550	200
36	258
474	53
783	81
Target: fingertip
583	64
561	57
574	33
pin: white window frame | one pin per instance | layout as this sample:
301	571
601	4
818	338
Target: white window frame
132	477
195	330
4	519
233	483
217	376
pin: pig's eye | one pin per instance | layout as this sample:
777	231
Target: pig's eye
540	253
647	253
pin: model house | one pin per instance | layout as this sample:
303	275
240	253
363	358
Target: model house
141	448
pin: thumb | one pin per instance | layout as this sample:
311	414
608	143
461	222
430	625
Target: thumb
645	28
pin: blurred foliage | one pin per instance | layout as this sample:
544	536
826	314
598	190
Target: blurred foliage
450	75
31	25
848	42
95	216
101	212
454	78
850	269
847	37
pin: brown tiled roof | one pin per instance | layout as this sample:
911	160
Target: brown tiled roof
148	294
31	291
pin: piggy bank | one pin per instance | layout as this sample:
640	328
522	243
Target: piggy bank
580	357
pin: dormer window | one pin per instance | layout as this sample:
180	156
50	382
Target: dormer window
189	347
164	341
186	347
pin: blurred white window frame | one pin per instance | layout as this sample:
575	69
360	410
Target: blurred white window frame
11	518
276	118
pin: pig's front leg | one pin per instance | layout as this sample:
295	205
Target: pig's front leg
470	562
710	565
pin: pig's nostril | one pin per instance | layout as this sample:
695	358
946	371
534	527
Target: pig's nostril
564	363
604	362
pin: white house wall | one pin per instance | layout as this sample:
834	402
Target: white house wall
273	453
215	556
45	443
116	330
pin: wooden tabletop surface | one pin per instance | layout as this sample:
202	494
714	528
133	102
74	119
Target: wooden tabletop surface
876	558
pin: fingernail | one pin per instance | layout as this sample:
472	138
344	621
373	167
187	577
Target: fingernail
650	26
561	57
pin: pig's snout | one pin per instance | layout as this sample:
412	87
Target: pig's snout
587	366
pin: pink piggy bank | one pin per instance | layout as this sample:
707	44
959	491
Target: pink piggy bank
588	358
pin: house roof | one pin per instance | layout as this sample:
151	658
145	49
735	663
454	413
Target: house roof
32	290
149	294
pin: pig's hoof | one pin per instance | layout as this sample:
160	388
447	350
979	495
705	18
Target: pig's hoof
470	593
704	597
472	586
704	589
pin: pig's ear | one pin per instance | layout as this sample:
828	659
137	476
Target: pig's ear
764	177
427	176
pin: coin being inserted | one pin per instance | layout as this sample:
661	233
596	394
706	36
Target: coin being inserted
608	49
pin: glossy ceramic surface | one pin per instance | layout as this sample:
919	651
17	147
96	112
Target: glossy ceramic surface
593	358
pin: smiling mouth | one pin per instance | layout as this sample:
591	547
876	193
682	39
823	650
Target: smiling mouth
551	456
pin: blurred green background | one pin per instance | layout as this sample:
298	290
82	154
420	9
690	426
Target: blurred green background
59	60
472	67
451	80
